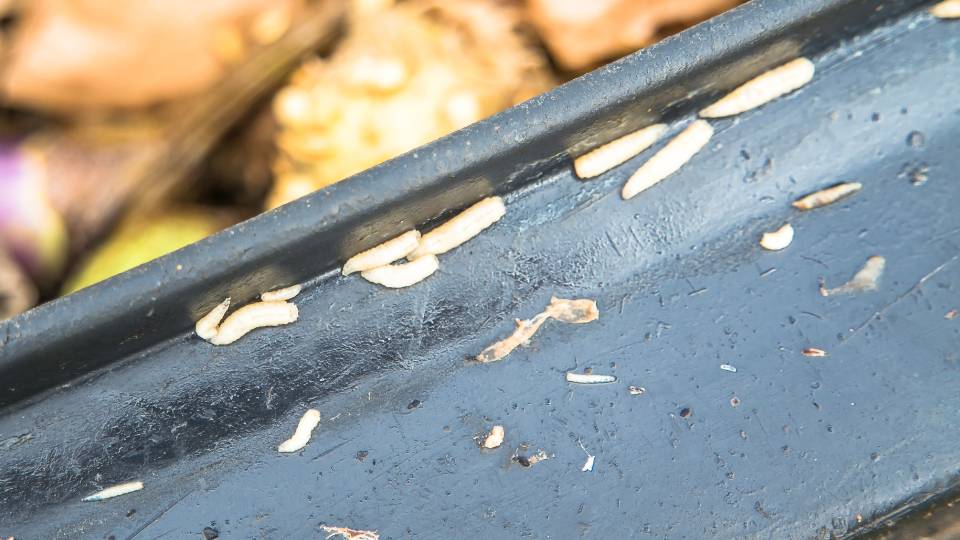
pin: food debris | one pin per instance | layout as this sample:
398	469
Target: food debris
206	327
302	435
114	491
827	196
950	315
461	227
350	534
603	158
589	378
763	88
734	401
686	412
778	239
864	280
532	460
251	317
728	367
568	311
383	254
397	276
281	295
669	159
636	390
494	439
948	9
814	352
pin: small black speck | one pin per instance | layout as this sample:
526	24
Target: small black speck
209	533
522	460
744	154
131	512
731	475
111	537
829	429
874	456
685	412
916	139
414	404
904	110
875	117
362	455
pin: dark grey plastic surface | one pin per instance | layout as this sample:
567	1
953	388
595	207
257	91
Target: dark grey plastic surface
681	284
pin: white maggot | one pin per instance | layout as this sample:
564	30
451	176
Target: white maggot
206	327
948	9
383	254
114	491
397	276
827	196
603	158
589	378
494	439
461	227
253	316
301	436
669	159
763	88
778	239
281	295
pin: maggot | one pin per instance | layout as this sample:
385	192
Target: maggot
114	491
206	327
383	254
251	317
603	158
762	89
589	378
302	435
494	439
827	196
948	9
281	295
814	352
396	276
778	239
865	279
669	159
461	227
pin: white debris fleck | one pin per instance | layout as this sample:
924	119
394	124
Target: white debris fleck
728	367
494	438
588	466
763	88
636	390
114	491
589	378
603	158
669	159
302	435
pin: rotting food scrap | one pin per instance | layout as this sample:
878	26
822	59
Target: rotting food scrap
383	254
864	280
397	276
827	196
636	390
281	295
603	158
494	438
669	159
302	435
762	89
350	534
461	227
568	311
778	239
950	315
114	491
589	378
814	352
948	9
531	460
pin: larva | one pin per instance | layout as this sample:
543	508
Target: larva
383	254
396	276
253	316
778	239
302	435
589	378
762	89
827	196
206	327
281	295
461	227
114	491
603	158
948	9
670	158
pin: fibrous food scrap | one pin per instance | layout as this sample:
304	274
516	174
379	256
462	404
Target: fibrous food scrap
302	435
762	89
827	196
114	491
350	534
669	159
865	279
603	158
568	311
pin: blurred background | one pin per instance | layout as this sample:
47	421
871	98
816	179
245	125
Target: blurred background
130	129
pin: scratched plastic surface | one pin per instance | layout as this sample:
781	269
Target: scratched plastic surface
682	287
